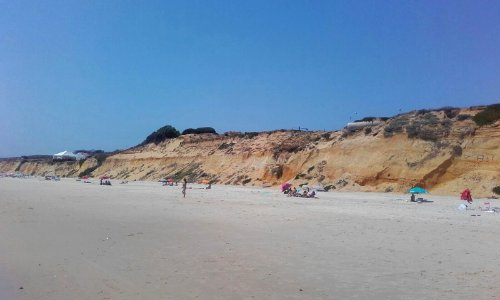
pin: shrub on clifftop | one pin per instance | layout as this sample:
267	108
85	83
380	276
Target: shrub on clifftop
199	130
488	116
164	133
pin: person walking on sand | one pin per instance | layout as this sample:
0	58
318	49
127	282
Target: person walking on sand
184	186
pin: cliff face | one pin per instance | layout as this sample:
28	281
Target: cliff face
44	167
443	151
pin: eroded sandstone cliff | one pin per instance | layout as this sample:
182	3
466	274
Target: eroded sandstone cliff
443	151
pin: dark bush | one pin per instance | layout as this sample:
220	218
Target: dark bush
225	146
250	135
428	135
342	182
246	181
457	150
488	116
329	187
199	130
395	126
164	133
384	118
36	157
428	119
189	131
388	134
447	123
423	132
349	132
233	134
89	152
450	113
446	108
463	117
205	130
368	130
412	131
496	190
366	119
422	112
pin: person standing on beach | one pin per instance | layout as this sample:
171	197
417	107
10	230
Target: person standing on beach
184	186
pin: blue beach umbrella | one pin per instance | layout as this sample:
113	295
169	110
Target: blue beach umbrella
417	190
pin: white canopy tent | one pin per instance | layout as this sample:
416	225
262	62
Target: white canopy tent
68	155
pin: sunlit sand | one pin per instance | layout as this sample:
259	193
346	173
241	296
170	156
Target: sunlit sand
141	240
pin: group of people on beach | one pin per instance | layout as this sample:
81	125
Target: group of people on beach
105	182
304	193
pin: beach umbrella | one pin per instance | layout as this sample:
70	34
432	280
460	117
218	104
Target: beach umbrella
285	186
466	195
417	190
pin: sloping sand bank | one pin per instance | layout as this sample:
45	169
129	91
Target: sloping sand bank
71	240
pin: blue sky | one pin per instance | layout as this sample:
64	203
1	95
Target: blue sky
105	74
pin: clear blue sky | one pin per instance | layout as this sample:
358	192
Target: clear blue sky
105	74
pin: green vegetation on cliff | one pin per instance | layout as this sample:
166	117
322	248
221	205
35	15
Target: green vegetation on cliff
488	116
162	134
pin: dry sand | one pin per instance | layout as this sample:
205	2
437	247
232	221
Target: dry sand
71	240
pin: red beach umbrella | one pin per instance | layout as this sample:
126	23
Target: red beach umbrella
285	186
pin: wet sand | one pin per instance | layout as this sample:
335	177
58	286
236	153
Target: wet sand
71	240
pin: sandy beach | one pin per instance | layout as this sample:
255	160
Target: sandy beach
141	240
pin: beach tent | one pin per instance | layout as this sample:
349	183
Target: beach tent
80	156
67	155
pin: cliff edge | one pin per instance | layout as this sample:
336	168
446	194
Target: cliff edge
442	150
